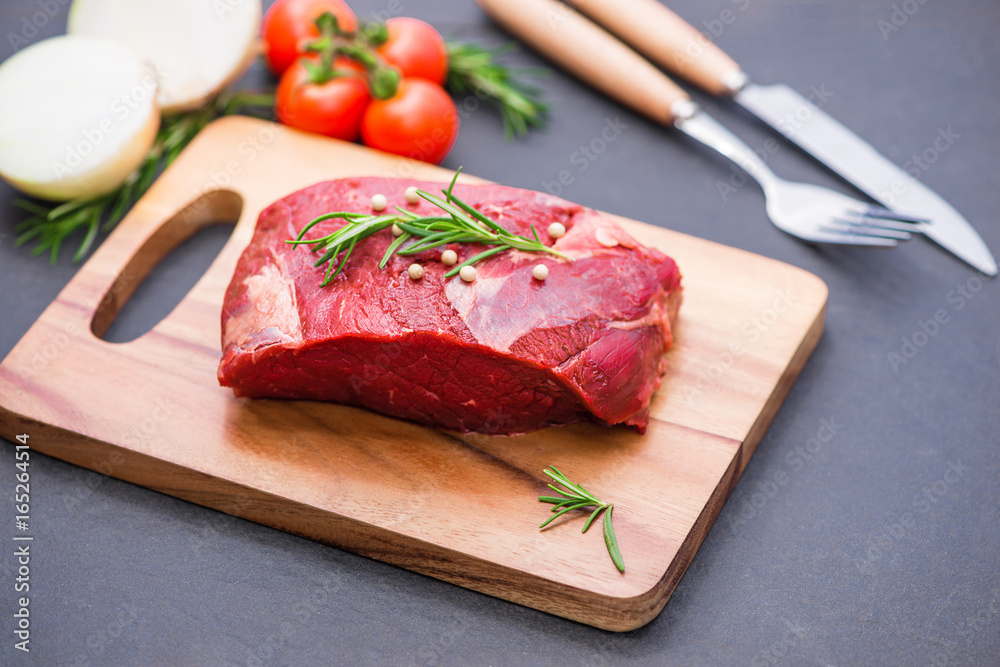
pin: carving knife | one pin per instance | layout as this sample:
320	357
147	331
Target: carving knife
673	44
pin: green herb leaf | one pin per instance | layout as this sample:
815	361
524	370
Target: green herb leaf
476	258
473	70
52	223
611	541
462	224
393	247
561	512
590	520
576	497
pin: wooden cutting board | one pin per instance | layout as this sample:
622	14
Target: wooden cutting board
462	508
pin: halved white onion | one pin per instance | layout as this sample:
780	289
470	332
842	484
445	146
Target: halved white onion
197	46
77	116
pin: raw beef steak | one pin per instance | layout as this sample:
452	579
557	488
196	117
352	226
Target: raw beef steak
504	354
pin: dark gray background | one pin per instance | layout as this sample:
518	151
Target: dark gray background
842	564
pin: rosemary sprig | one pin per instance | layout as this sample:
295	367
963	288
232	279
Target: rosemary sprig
462	224
52	223
472	70
575	497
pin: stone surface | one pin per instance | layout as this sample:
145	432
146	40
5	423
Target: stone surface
865	529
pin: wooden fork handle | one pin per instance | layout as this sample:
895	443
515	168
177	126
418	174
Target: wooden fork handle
667	40
592	54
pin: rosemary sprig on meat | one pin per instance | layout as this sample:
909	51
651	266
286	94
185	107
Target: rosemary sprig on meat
458	223
575	497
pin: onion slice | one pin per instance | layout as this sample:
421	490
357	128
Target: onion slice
196	46
77	116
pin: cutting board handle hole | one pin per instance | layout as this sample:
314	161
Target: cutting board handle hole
196	231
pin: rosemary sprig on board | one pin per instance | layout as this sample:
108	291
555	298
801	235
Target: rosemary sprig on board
461	224
52	223
473	70
575	497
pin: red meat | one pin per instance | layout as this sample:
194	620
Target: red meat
504	354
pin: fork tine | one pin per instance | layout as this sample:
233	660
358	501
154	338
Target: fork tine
810	212
874	211
830	235
883	223
865	229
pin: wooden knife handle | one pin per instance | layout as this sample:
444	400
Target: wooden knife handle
595	56
667	40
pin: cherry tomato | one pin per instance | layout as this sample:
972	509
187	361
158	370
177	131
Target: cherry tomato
289	24
417	49
420	121
334	108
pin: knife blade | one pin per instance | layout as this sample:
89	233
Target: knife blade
801	121
672	43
